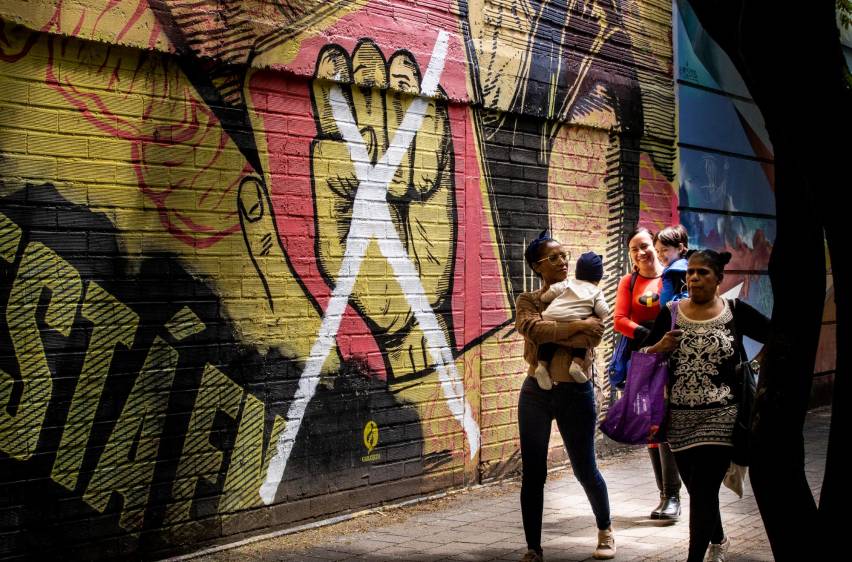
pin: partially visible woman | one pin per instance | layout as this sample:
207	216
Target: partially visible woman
704	390
570	403
635	312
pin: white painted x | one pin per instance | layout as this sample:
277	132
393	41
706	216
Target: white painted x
371	219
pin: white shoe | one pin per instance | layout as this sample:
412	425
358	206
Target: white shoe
577	373
718	552
606	545
542	377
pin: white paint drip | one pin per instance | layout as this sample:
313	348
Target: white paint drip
371	219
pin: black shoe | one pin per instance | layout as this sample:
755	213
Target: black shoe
656	513
670	509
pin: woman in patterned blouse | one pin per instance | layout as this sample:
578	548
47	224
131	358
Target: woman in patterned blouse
705	346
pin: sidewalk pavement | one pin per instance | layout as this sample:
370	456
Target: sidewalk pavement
484	523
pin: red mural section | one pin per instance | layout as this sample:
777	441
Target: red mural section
475	269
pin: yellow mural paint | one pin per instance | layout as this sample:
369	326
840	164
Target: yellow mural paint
288	310
184	324
371	435
114	323
280	45
371	439
41	268
248	464
107	21
127	463
10	238
200	459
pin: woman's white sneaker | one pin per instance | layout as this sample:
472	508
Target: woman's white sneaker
718	552
606	545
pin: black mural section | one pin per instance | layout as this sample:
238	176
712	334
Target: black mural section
40	517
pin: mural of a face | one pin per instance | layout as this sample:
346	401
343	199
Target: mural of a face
564	80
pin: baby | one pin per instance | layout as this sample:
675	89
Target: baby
672	244
571	300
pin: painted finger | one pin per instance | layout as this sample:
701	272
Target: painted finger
500	33
334	186
431	230
370	78
404	86
259	232
333	66
294	316
433	149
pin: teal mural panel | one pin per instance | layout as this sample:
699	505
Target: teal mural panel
711	180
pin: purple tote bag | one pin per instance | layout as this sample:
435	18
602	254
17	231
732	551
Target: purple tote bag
638	416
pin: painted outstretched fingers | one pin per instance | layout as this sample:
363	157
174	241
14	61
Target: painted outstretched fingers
357	189
419	197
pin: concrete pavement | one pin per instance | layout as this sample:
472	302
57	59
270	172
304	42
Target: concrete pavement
484	523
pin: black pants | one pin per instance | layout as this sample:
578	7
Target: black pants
572	405
665	470
703	468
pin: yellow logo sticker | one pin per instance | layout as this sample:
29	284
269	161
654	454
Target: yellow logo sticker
371	436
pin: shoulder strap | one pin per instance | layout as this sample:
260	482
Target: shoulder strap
743	355
633	277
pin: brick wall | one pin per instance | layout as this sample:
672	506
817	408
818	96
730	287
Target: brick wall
228	307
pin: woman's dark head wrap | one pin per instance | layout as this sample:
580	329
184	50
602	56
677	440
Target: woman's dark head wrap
533	252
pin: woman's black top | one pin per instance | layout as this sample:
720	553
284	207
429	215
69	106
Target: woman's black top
703	384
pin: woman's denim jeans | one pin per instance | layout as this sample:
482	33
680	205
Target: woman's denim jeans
573	407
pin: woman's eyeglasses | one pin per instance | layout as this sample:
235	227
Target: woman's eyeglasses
555	258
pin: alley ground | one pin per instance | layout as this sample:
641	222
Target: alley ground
484	523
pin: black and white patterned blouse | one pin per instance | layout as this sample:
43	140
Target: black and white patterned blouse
703	386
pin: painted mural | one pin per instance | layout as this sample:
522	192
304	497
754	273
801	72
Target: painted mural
726	198
259	260
727	175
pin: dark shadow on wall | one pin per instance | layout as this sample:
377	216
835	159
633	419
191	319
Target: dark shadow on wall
41	517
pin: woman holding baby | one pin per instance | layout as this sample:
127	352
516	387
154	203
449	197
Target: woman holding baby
570	402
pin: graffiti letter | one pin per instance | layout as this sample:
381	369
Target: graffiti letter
40	269
248	464
114	323
10	238
127	463
199	458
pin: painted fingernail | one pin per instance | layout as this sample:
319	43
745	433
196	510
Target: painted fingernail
251	199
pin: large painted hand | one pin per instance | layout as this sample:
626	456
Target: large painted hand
420	197
535	66
186	187
498	35
534	56
601	63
